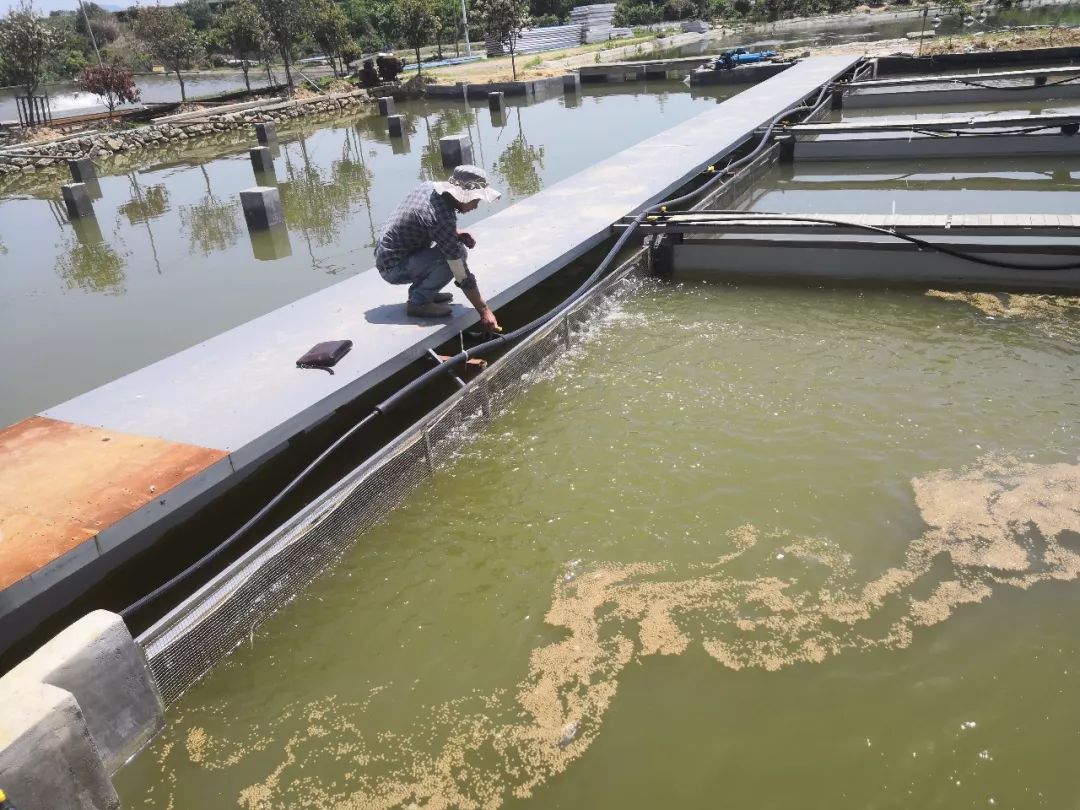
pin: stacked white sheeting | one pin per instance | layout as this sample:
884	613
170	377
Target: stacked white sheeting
588	24
597	22
534	40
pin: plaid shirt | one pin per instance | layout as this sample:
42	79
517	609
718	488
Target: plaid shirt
421	218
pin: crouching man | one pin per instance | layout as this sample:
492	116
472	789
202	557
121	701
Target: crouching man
421	246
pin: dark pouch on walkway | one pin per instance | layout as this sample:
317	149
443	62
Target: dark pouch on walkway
325	355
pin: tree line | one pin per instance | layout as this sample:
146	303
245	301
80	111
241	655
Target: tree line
247	33
105	47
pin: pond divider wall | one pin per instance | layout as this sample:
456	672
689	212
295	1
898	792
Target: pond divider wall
187	643
74	712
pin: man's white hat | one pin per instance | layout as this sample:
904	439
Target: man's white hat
468	183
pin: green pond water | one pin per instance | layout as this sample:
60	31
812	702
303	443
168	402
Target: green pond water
168	261
746	546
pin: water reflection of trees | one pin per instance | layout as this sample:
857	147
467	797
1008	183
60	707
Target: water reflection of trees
148	203
520	164
448	121
212	224
317	202
87	263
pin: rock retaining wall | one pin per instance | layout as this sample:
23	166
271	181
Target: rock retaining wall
29	157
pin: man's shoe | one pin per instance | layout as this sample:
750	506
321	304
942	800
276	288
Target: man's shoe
443	298
431	310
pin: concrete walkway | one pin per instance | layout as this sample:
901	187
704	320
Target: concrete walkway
138	450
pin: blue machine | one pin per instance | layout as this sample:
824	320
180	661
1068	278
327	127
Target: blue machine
739	56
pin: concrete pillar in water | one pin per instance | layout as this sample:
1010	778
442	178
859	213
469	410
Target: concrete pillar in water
266	133
262	207
456	150
82	170
497	102
787	148
571	83
387	106
74	712
49	758
396	125
270	243
261	160
99	663
77	200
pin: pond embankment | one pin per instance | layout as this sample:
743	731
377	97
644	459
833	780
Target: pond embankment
29	157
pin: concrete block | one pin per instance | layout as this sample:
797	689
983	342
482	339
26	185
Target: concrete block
387	106
262	207
261	160
77	199
82	170
99	663
266	132
497	102
48	759
571	83
396	125
456	150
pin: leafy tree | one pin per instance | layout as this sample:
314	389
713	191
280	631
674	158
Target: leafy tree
73	62
244	34
417	18
112	83
102	24
556	9
372	23
447	17
289	21
198	11
503	21
170	37
26	43
330	29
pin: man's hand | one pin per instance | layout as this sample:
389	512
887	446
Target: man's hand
488	322
466	239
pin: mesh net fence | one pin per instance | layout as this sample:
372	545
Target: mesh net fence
187	643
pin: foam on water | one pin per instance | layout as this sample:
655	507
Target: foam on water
999	522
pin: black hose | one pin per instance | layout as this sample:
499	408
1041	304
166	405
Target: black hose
920	243
232	538
499	341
